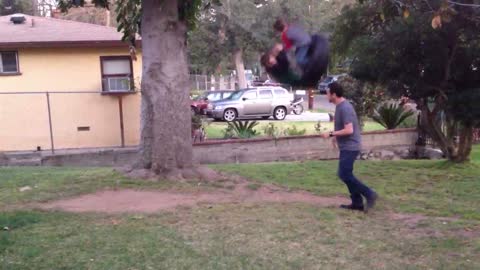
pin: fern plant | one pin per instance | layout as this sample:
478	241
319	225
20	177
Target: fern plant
391	115
241	129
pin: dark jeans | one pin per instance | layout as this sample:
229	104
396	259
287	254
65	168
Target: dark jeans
301	55
345	172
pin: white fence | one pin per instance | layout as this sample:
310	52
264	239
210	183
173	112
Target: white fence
211	82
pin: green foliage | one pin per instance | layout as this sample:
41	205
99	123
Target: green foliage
409	56
365	97
247	25
197	121
428	51
410	122
8	7
129	16
319	128
391	115
271	130
129	13
293	131
241	129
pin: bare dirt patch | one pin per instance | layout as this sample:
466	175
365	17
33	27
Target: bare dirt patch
123	201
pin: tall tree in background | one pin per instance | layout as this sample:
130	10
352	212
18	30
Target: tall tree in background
248	24
226	34
428	50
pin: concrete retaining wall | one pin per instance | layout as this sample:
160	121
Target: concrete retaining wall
295	148
227	151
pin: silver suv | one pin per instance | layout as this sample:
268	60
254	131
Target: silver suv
264	101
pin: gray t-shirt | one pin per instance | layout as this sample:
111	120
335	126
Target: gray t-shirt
345	114
298	36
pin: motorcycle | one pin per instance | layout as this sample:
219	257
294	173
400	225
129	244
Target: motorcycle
297	106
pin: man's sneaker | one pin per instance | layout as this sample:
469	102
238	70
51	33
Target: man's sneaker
371	201
352	207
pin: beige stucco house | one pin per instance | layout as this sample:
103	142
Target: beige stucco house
66	84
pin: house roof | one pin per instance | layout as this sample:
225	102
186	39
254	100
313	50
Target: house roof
50	32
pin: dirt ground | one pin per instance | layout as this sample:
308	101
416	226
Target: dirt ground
127	201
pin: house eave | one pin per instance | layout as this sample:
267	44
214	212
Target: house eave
67	44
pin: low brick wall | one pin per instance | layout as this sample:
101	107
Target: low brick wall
295	148
225	151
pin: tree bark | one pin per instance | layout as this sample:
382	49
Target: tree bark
107	18
465	144
165	121
454	152
240	67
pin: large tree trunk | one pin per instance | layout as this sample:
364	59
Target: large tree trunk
454	152
465	144
166	122
240	67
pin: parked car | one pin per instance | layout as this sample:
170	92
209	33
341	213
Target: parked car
259	102
200	103
323	85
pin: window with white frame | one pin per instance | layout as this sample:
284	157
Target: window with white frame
8	62
117	73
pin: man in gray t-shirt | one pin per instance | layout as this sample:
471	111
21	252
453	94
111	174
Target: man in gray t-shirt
348	138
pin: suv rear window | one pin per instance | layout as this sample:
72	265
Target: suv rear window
280	92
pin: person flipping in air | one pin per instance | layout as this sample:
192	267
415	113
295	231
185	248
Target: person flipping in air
294	36
275	62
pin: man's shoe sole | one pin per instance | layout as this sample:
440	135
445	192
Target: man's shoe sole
348	207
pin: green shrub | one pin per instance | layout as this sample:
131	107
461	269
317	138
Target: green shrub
390	115
271	130
293	131
319	128
410	122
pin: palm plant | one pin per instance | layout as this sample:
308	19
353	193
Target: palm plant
391	115
241	129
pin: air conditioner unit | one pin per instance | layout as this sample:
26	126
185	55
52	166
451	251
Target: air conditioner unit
118	84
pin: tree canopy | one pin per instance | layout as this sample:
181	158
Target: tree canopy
428	50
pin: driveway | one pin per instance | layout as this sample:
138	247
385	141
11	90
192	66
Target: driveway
308	117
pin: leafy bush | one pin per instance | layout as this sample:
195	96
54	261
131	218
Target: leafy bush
410	122
293	131
365	97
241	129
197	122
390	115
271	130
318	127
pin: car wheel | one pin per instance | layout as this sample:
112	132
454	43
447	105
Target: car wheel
229	115
280	113
193	110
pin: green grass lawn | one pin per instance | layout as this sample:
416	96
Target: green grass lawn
215	129
476	153
250	235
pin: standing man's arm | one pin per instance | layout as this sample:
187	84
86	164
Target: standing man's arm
347	117
346	131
